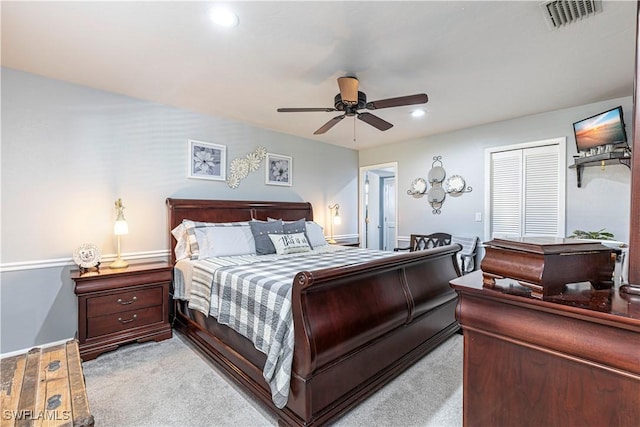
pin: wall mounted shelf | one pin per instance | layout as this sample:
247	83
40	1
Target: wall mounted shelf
612	158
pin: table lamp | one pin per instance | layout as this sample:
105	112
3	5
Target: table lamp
120	228
334	215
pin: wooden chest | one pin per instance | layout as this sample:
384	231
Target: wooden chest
45	387
545	265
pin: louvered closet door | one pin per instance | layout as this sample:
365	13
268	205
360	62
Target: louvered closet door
527	192
541	191
506	193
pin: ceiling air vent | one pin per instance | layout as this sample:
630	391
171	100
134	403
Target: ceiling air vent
561	12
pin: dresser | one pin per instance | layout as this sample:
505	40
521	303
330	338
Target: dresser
568	360
119	306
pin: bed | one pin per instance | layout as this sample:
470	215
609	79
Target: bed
355	327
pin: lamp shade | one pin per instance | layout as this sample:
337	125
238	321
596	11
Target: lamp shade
336	219
120	227
336	216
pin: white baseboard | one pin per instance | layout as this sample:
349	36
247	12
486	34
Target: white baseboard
25	350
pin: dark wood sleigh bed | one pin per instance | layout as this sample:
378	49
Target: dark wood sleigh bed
356	327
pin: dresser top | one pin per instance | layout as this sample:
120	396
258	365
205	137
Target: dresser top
547	245
105	271
577	298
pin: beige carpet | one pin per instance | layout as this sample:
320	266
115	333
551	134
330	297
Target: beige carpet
170	384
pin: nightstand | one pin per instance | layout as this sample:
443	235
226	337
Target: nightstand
118	306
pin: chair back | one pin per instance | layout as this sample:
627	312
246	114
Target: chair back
466	256
420	242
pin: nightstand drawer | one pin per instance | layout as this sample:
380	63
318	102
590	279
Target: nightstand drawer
123	301
120	321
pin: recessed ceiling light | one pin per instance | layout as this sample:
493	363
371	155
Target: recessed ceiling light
417	113
223	17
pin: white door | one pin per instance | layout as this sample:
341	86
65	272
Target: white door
374	216
389	214
378	206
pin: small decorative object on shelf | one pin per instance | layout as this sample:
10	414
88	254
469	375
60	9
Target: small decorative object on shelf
87	256
619	157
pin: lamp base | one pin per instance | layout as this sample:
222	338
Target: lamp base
119	263
332	241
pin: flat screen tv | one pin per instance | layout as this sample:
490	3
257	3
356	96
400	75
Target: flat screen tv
601	129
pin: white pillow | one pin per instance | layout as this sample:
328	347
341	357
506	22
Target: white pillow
182	246
290	243
315	234
225	241
207	237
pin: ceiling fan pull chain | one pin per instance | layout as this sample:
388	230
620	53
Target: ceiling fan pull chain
354	128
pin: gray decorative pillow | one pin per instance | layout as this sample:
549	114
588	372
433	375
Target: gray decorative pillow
291	227
290	243
299	226
261	231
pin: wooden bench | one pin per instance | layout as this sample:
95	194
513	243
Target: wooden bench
45	387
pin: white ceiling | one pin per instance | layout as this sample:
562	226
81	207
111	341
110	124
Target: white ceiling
478	61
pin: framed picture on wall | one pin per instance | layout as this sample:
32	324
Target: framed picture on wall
207	161
279	170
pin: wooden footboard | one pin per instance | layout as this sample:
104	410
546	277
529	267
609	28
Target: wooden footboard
356	327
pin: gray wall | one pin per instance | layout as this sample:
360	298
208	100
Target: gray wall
602	202
68	152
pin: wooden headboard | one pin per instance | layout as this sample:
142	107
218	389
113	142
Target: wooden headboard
229	211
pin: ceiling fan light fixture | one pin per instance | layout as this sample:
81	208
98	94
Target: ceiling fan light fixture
417	113
348	90
223	17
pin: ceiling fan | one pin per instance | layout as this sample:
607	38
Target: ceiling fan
350	100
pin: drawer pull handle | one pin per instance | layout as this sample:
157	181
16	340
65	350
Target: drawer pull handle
135	316
131	301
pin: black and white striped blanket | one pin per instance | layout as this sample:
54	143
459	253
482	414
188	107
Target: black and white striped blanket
252	295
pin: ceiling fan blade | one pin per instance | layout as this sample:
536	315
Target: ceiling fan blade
420	98
375	121
306	110
331	123
348	90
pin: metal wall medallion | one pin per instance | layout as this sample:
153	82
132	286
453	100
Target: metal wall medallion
440	187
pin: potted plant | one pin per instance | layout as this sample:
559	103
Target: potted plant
592	235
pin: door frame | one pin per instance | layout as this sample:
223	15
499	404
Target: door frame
361	199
